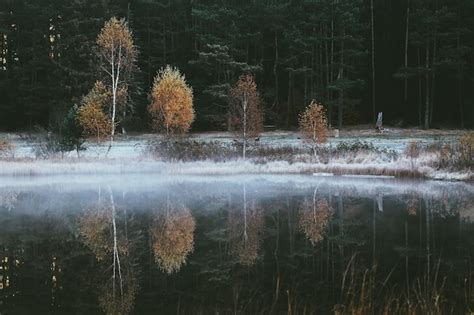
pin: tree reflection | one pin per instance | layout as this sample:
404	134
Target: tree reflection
245	229
314	218
8	199
412	204
112	303
173	237
100	233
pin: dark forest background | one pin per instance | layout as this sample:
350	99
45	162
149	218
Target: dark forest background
297	49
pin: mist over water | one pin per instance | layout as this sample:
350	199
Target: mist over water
234	244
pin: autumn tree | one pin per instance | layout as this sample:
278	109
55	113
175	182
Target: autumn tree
245	110
92	119
91	115
313	125
173	238
99	231
314	219
171	102
117	53
245	232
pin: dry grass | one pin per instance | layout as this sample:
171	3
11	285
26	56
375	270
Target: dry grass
7	149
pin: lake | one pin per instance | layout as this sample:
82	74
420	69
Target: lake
235	245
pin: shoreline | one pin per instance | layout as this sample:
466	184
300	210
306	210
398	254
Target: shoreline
66	167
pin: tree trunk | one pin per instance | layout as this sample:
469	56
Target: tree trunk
340	110
275	73
420	95
290	97
373	59
339	77
328	93
460	70
433	76
427	85
406	51
164	42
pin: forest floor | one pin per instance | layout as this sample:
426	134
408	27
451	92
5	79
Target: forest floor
358	151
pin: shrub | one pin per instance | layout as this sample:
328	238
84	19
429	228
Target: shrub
466	150
7	149
457	156
46	145
190	150
412	151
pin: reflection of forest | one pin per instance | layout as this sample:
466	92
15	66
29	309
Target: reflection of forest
243	249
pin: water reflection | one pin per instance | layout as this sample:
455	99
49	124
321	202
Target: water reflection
233	245
314	218
245	230
101	232
172	234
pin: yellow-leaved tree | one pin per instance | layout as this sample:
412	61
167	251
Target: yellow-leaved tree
314	219
246	115
173	238
117	54
313	125
171	102
91	115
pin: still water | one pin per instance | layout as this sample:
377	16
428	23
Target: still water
235	245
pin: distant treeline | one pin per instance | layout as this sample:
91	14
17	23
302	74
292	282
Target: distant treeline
420	52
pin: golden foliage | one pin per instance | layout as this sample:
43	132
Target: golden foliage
172	102
95	228
245	230
314	219
99	95
173	238
246	108
93	120
119	303
115	44
7	149
313	124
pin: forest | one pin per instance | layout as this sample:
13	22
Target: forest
410	59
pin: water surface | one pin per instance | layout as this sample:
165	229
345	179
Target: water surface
240	245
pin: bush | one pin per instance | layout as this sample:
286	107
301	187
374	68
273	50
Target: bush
457	156
353	149
7	149
190	150
466	150
412	151
44	144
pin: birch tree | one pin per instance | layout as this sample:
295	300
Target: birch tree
314	218
117	54
245	110
245	231
173	237
172	102
313	125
